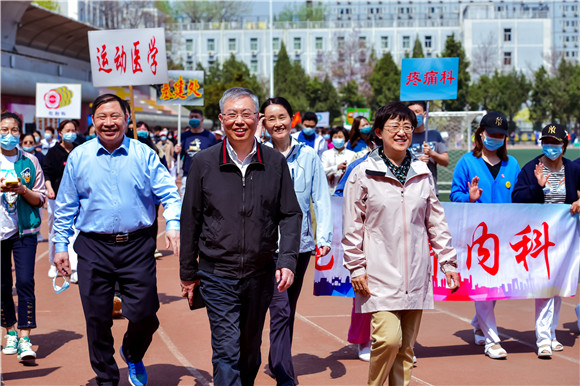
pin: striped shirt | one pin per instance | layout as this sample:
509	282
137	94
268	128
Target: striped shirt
555	188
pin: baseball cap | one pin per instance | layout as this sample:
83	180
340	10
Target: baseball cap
556	131
494	123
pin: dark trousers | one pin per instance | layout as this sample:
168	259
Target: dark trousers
237	310
24	251
132	265
282	311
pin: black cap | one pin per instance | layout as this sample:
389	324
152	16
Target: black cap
556	131
494	123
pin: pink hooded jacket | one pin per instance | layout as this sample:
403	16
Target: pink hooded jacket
387	228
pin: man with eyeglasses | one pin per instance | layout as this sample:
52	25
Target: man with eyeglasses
239	198
308	134
108	192
193	141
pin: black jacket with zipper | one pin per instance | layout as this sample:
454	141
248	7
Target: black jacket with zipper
231	222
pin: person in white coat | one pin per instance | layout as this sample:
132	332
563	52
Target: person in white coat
390	216
335	160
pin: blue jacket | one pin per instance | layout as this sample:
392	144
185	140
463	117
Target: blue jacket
498	190
309	180
527	189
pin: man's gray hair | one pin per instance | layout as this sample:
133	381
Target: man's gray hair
237	93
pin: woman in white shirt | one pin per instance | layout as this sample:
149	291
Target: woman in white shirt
336	159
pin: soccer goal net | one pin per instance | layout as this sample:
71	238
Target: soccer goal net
456	128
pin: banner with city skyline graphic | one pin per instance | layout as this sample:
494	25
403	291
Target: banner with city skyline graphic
505	251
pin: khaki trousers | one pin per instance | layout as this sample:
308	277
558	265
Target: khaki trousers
394	334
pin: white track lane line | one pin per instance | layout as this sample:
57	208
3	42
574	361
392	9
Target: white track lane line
559	354
344	342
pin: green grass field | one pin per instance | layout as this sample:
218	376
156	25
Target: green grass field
445	175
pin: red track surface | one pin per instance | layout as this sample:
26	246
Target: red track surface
181	353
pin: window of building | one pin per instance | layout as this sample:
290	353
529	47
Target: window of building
318	43
276	44
340	42
406	42
384	42
189	45
362	40
507	34
297	43
428	41
254	44
232	44
254	66
211	44
507	58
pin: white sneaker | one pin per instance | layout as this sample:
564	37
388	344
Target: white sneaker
25	351
11	346
52	272
364	352
74	278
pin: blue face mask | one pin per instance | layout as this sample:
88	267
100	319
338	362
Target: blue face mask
163	138
47	135
308	131
338	143
366	130
58	289
326	136
29	149
91	136
69	137
142	134
9	141
552	151
194	122
492	144
419	119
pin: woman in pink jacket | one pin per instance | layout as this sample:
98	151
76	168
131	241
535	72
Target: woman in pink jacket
390	215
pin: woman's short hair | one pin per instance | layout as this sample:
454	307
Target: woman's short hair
67	121
394	110
277	101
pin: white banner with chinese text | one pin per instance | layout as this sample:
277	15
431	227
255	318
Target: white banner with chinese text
505	251
128	57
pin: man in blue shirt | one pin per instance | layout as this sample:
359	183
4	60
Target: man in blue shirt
193	141
308	134
108	192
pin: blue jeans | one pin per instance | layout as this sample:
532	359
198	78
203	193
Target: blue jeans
24	251
237	310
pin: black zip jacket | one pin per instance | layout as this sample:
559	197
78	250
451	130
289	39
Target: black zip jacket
231	222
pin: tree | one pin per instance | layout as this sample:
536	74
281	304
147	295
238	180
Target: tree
50	5
290	81
485	56
454	48
568	78
350	96
198	11
385	82
303	12
418	48
482	93
543	97
512	91
322	96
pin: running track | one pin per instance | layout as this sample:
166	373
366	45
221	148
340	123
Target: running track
181	353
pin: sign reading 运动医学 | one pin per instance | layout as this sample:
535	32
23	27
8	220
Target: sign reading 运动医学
183	88
128	57
351	114
536	254
58	100
429	79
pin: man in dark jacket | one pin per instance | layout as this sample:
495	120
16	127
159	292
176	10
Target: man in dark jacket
239	197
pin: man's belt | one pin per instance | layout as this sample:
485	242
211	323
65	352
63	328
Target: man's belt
118	238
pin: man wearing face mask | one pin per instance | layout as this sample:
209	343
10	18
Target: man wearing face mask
48	141
193	141
308	134
433	151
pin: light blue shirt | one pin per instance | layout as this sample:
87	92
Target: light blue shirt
116	192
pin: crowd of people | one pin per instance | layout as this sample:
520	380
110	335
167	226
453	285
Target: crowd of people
244	209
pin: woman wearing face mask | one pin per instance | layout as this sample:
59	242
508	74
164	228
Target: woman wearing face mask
91	133
309	184
48	141
360	136
166	147
549	178
486	175
28	144
335	160
54	164
22	192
